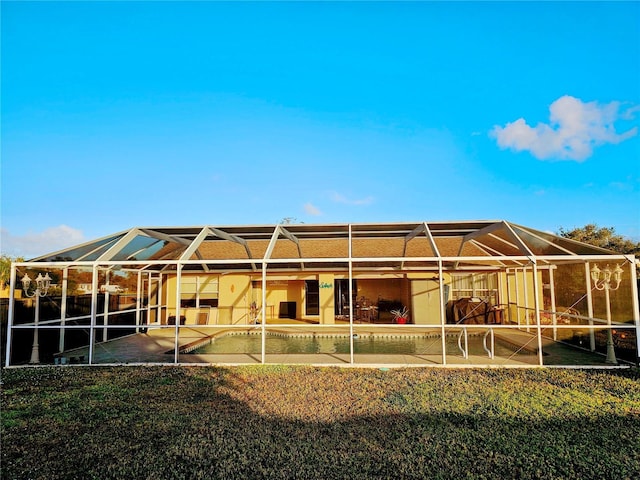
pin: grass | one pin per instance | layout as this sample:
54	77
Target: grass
325	423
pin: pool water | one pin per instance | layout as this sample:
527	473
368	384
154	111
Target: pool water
370	344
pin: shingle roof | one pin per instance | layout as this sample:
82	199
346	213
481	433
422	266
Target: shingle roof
381	244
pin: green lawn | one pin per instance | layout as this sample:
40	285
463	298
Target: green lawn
318	423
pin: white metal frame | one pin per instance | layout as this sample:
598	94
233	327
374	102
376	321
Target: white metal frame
480	236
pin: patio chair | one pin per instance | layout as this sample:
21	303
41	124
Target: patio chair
469	310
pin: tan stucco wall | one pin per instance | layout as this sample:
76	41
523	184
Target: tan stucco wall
234	299
327	301
418	291
282	289
425	298
169	293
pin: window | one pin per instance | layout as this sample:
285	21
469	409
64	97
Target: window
312	290
481	285
199	291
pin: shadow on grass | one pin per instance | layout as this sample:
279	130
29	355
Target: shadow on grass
208	423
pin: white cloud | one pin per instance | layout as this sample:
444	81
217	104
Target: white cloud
629	113
34	244
339	198
574	129
312	210
621	185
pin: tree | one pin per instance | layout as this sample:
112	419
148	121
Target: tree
5	269
604	237
289	221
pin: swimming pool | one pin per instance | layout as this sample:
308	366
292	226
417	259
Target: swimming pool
369	344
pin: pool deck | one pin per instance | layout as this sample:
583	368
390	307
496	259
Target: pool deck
157	346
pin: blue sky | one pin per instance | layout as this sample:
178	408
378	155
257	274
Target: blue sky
122	114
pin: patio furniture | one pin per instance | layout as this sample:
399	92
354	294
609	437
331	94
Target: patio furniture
472	310
172	320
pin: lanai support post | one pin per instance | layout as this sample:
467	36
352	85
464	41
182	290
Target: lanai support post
351	356
507	275
138	300
12	286
94	310
552	292
177	330
536	306
592	333
525	292
263	316
63	308
517	285
443	318
636	307
159	302
105	318
147	307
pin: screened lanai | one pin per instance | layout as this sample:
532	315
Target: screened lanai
413	293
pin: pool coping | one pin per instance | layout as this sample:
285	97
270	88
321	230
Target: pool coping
151	347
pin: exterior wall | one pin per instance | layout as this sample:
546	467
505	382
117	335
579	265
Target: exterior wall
419	292
277	291
170	292
234	299
425	299
169	286
327	298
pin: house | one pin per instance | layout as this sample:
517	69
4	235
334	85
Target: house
85	288
473	289
111	289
